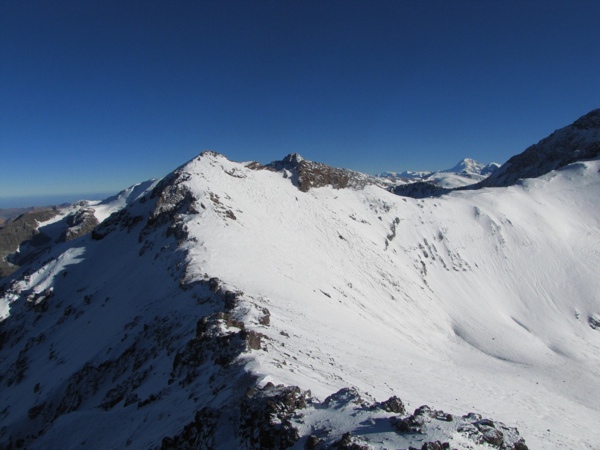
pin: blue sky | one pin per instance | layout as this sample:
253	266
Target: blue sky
98	95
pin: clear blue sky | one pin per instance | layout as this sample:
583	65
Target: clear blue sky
98	95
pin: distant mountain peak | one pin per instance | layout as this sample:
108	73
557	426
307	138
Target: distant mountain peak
472	167
427	184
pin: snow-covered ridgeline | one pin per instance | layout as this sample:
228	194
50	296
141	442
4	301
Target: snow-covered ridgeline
475	301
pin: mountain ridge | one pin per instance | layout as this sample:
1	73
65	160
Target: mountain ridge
575	142
208	307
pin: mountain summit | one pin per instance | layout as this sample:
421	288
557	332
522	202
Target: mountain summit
295	305
469	166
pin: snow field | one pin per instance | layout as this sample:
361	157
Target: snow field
480	301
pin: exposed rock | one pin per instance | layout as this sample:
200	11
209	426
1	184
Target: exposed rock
308	174
80	223
312	442
392	404
265	318
594	321
576	142
22	233
437	445
219	338
266	416
121	220
173	198
343	397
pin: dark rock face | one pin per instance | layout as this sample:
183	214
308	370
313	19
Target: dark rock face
79	224
576	142
393	404
121	220
266	416
211	343
588	122
22	230
307	175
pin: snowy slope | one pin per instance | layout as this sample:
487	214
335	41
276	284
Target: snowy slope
103	209
381	292
476	301
31	235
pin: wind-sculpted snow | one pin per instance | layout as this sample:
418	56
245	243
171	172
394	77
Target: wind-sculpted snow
228	308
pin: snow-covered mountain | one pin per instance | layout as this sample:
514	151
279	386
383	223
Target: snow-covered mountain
575	142
464	173
415	184
471	167
31	234
239	305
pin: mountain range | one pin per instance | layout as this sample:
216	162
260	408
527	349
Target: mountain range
241	305
464	173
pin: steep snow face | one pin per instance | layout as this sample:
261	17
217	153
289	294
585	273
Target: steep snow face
477	301
474	300
106	207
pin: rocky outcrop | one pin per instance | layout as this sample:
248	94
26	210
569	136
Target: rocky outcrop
120	220
22	240
424	421
79	223
266	416
576	142
22	231
308	175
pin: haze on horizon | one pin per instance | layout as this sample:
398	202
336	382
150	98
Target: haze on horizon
98	96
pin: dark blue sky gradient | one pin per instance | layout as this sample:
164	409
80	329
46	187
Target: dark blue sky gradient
98	95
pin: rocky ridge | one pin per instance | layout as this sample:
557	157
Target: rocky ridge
311	175
190	351
171	350
576	142
33	233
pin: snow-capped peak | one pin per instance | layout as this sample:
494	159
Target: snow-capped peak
424	184
469	166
